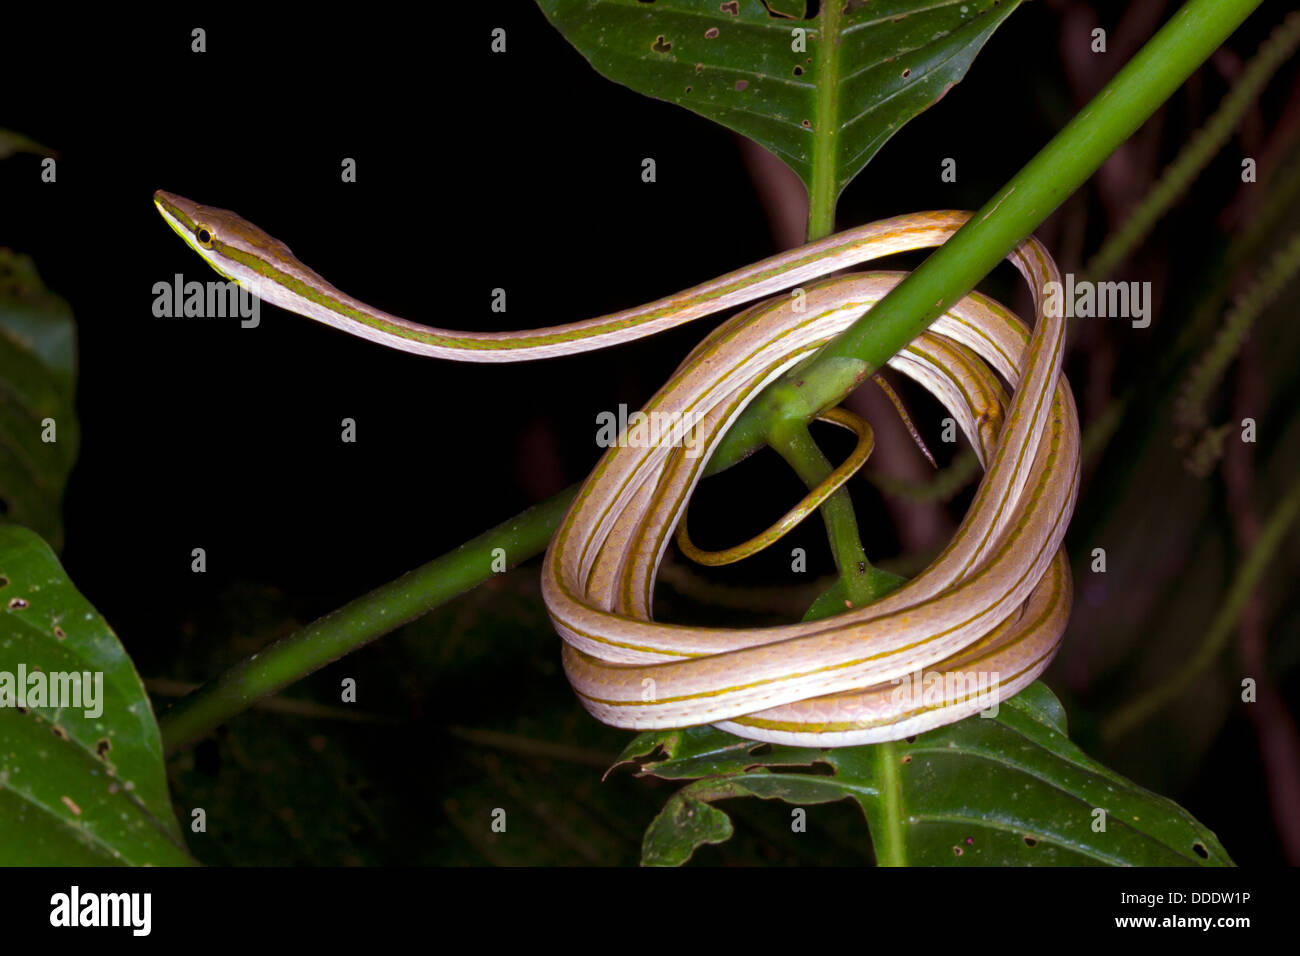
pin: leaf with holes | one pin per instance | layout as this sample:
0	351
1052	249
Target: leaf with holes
998	791
38	424
823	93
83	783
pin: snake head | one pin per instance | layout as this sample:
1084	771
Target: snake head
218	235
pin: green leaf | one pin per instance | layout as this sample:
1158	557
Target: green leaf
74	789
1006	790
865	69
38	424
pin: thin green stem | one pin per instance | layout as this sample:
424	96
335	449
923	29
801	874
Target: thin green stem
362	621
1282	187
822	190
1189	409
1209	139
1062	166
1216	638
795	444
1058	170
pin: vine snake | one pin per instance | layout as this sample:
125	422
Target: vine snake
976	626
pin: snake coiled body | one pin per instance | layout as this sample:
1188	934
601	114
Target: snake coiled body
976	626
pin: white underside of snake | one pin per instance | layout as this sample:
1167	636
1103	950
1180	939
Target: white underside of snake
975	627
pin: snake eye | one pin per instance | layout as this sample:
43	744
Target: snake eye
204	235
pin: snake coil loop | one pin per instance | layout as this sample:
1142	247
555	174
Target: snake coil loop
981	622
806	506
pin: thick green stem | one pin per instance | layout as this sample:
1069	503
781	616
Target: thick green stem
887	834
363	620
1063	165
952	271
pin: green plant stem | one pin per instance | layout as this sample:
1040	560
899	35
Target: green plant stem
1189	408
1209	139
887	835
953	270
821	189
795	444
362	621
1282	188
1216	639
1062	166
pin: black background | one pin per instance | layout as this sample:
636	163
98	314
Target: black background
474	171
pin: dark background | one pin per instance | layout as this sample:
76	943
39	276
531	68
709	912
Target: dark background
523	171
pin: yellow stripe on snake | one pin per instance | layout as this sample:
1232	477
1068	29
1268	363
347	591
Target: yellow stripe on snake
976	626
